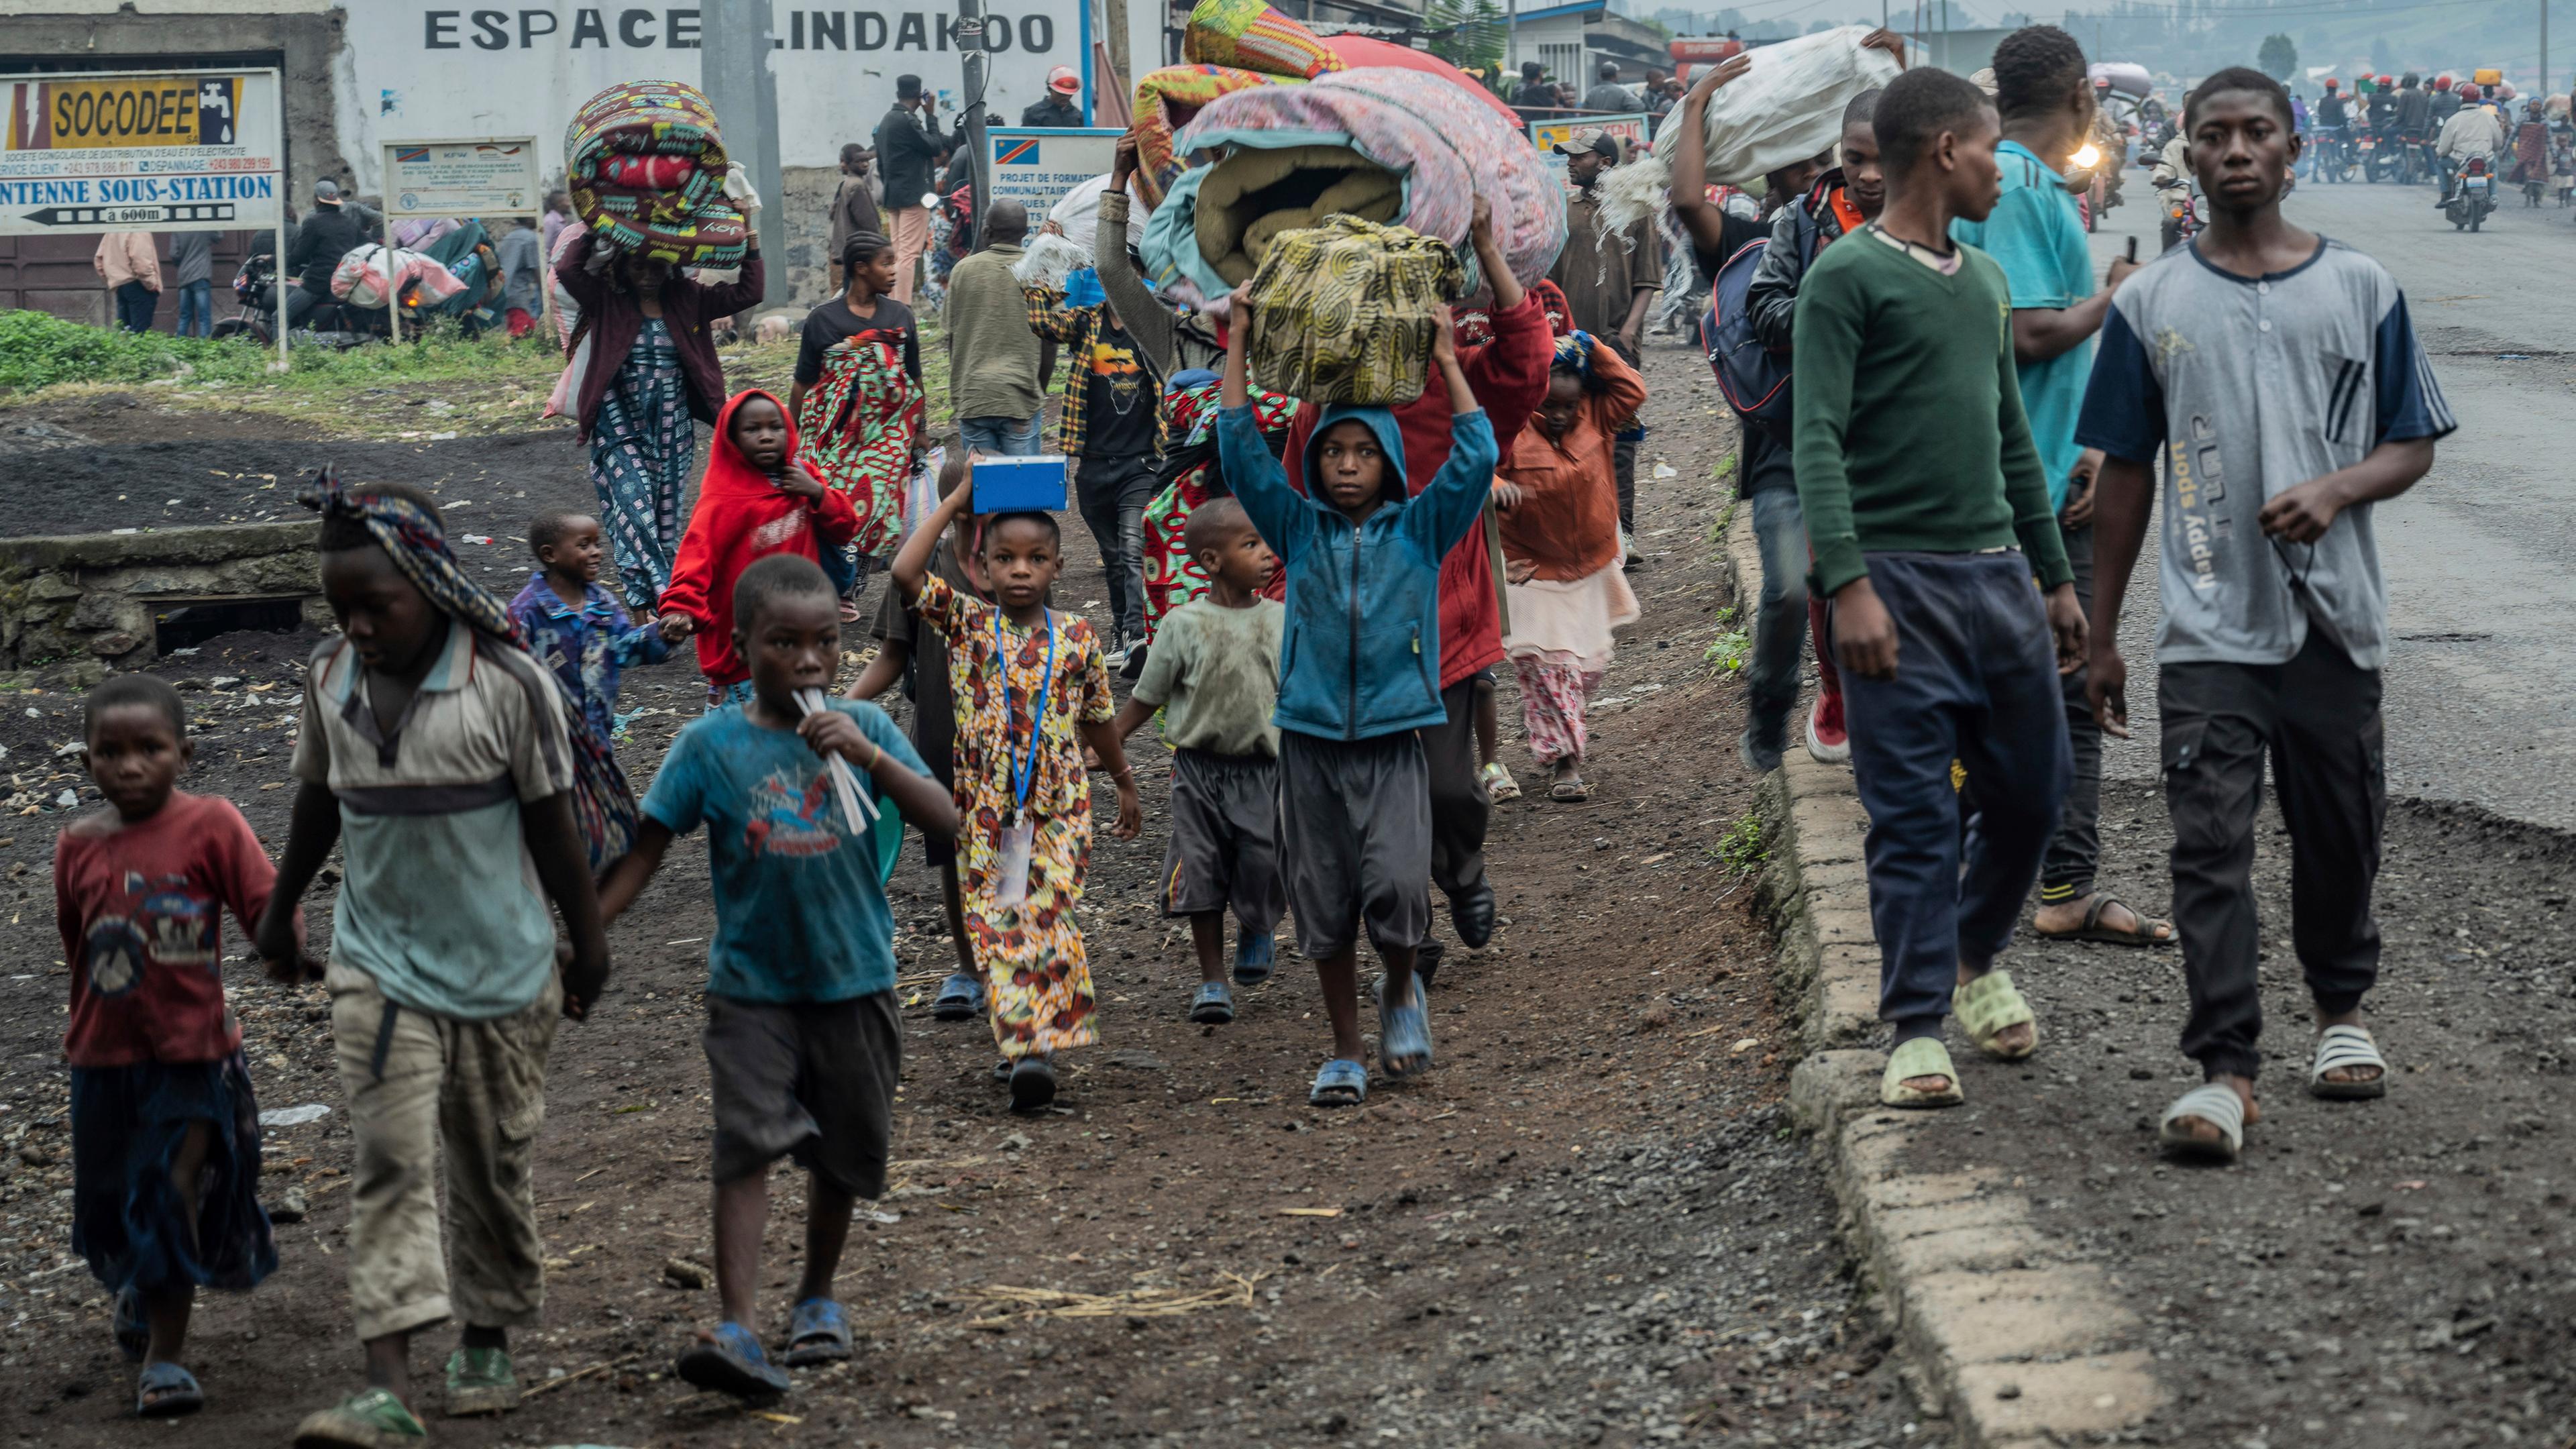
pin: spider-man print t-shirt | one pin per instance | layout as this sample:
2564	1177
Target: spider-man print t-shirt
141	908
800	904
1119	413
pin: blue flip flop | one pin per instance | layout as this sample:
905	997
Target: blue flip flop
1255	957
1213	1005
1403	1034
818	1332
165	1391
961	998
730	1360
1340	1082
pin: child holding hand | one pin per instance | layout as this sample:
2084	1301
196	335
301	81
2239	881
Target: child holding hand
1362	635
1031	689
804	1042
578	629
1214	672
165	1132
759	497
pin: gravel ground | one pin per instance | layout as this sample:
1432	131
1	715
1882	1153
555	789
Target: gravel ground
1592	1224
2377	1273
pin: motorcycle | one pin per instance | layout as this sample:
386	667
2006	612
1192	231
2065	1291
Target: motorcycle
2472	198
331	323
2378	158
2186	212
2415	159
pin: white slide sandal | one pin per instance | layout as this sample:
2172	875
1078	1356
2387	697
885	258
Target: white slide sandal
2347	1047
2214	1104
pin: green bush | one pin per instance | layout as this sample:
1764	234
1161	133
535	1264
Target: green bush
37	350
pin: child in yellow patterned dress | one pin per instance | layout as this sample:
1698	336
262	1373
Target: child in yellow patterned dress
1031	688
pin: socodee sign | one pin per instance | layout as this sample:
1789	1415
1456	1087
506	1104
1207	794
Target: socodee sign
446	69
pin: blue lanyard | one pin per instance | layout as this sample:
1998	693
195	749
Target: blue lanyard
1024	769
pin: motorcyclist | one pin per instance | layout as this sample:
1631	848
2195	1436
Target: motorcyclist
2381	108
2171	175
2473	132
328	233
2445	103
2333	126
2413	125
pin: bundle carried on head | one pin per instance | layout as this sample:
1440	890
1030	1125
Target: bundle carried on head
1787	108
1347	312
1381	144
647	171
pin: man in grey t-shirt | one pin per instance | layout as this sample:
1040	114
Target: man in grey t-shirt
2276	374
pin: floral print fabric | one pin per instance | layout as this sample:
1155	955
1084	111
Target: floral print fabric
1037	975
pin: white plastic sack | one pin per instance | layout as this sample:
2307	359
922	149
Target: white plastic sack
1787	108
1078	215
359	280
921	491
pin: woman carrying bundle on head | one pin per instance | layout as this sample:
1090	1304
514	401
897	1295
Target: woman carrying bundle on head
648	368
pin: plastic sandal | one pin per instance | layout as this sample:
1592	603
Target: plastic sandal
1032	1084
165	1391
2093	929
2347	1047
961	998
1340	1082
1213	1005
1255	957
1403	1035
480	1381
133	1335
1499	784
2217	1105
818	1332
729	1360
1924	1056
368	1419
1989	1006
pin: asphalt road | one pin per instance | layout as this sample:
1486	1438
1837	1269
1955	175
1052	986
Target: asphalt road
2480	557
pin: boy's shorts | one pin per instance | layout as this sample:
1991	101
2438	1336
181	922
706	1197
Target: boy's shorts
1355	831
1224	849
814	1080
128	1124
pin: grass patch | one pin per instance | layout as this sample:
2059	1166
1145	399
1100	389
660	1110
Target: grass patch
1729	651
1741	848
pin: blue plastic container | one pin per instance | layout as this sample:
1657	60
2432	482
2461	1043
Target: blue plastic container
1013	485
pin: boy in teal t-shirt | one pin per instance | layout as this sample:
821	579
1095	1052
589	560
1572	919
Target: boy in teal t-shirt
804	1045
2036	235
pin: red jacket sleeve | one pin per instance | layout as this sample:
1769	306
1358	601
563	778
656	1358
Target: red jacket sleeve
836	522
1509	374
693	571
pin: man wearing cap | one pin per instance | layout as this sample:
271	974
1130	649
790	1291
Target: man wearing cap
329	233
909	141
1608	284
854	209
1059	108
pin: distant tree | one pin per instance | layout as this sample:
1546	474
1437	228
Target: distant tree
2279	58
1820	25
2382	59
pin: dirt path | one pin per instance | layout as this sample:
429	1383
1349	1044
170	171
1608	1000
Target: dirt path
1592	1224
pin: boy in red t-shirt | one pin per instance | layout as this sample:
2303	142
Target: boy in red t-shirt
165	1134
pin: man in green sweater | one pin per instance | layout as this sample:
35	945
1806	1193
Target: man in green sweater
1928	512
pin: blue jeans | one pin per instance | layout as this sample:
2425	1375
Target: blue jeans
197	308
1001	437
1976	681
1779	623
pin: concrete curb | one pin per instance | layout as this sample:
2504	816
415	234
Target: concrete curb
2008	1333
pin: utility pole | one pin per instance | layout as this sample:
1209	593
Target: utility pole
972	54
2544	48
733	69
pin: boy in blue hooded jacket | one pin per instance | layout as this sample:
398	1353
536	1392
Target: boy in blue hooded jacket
1359	673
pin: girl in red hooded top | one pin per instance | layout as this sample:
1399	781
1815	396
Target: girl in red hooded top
758	498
